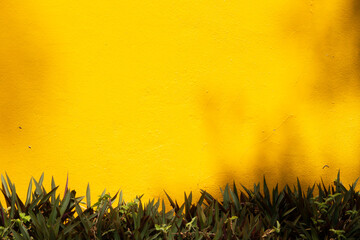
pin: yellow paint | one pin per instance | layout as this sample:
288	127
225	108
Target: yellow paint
179	95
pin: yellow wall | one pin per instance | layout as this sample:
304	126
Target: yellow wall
179	95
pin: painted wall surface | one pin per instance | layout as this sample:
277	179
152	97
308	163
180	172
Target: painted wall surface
179	95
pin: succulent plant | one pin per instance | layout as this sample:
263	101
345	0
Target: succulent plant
258	213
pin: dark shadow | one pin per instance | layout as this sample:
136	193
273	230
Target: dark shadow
338	53
356	19
279	154
290	156
335	53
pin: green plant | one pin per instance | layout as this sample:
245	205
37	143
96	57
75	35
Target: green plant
258	213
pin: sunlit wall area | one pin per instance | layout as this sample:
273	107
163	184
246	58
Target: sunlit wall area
179	95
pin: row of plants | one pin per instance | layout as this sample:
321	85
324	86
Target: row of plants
319	212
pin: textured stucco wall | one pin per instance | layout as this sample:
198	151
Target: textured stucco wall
179	95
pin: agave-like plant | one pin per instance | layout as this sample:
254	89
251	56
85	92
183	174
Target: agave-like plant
258	213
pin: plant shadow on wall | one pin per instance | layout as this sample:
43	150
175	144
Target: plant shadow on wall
338	52
337	86
280	153
356	19
244	148
333	93
22	73
216	116
335	58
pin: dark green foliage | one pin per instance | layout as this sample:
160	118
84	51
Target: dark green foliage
260	213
